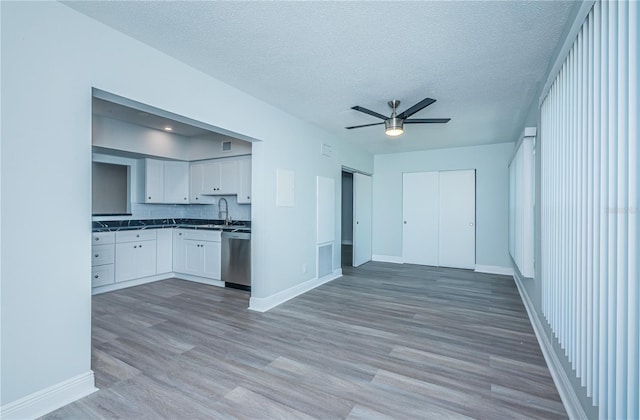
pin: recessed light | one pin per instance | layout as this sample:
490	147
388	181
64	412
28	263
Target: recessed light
168	128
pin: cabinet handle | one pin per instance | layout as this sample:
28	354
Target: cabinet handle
97	239
138	235
185	198
196	199
149	198
139	246
96	255
248	197
135	246
96	276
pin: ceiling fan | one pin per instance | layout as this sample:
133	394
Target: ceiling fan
393	125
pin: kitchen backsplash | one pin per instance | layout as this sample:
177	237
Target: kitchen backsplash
183	211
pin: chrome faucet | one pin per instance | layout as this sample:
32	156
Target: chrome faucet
227	219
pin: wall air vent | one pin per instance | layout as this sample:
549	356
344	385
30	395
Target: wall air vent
226	146
325	260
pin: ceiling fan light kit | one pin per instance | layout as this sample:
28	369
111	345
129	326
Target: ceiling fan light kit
394	125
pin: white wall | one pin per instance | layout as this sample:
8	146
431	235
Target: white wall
52	57
492	197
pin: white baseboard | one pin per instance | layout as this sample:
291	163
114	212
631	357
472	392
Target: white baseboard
264	304
387	258
494	269
49	399
560	378
203	280
165	276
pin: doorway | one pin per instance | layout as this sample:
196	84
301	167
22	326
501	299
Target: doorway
346	245
356	218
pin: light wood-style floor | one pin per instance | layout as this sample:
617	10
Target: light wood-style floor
383	341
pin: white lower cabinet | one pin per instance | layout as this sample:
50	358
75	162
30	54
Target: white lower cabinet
164	251
102	258
197	252
135	254
102	275
202	258
135	260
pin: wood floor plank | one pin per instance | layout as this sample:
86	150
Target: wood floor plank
383	341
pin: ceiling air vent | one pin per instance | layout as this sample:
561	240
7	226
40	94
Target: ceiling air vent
226	146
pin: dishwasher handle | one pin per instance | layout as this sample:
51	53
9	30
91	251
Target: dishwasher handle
236	235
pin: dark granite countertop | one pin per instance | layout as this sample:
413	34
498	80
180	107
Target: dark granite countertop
208	224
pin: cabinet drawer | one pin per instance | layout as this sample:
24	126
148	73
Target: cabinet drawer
135	235
201	235
102	254
102	275
100	238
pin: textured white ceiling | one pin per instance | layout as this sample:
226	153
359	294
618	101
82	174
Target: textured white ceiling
482	60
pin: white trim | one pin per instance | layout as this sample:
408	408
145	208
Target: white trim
158	277
269	302
494	269
197	279
51	398
387	259
581	15
560	378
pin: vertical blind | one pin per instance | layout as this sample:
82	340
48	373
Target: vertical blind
590	206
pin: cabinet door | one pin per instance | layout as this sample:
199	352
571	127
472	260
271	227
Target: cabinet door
211	178
102	275
153	181
194	257
176	182
196	185
228	177
178	250
244	181
212	257
102	254
135	260
164	251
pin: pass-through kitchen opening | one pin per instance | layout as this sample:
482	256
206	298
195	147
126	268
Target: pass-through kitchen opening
171	198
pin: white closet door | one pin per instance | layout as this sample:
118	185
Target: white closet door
420	218
362	219
457	233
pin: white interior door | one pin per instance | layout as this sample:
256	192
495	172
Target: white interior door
420	218
361	219
457	233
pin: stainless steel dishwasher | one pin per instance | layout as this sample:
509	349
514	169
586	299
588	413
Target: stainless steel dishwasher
236	260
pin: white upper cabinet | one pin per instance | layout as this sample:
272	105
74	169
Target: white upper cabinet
244	181
166	181
220	177
196	185
176	182
153	181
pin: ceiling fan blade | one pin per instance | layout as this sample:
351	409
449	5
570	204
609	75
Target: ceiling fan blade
417	107
365	125
427	120
368	111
